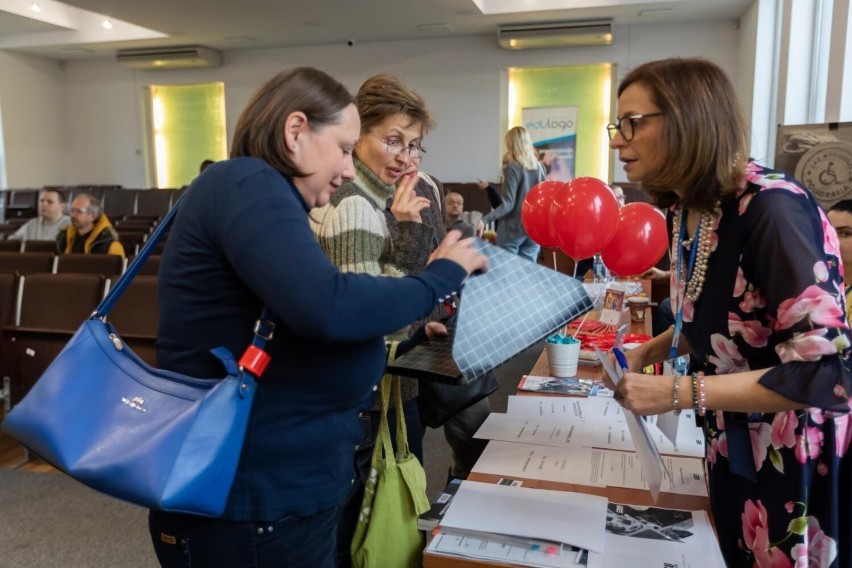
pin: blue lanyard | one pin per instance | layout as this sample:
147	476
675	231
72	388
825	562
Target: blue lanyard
693	252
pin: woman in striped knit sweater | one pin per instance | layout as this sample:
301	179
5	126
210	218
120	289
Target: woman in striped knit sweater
358	235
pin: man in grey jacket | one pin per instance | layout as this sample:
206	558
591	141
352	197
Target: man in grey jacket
51	219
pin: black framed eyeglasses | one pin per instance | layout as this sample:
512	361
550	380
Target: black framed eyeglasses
627	128
395	147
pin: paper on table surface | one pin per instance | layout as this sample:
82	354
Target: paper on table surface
600	412
588	466
559	516
649	456
448	542
650	537
612	434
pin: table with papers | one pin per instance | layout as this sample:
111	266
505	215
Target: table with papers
572	454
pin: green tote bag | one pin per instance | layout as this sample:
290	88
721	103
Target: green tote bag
395	494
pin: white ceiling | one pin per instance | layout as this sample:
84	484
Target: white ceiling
250	24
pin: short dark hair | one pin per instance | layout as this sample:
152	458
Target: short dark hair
60	195
382	96
844	206
204	165
260	129
705	138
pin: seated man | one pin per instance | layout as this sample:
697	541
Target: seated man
50	221
453	209
90	231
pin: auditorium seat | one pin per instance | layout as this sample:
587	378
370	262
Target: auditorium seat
10	246
50	308
26	262
106	264
136	317
40	246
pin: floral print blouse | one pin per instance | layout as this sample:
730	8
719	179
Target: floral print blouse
780	483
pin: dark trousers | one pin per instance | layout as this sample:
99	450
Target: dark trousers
363	457
188	541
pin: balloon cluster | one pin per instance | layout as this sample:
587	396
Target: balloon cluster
582	218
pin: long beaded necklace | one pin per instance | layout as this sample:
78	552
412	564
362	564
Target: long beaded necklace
695	268
696	274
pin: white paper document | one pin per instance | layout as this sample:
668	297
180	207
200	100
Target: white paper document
565	407
650	537
588	466
680	430
540	514
567	433
448	542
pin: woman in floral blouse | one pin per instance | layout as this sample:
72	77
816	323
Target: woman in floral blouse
757	286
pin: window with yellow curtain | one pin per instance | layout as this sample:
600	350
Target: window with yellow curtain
586	87
187	126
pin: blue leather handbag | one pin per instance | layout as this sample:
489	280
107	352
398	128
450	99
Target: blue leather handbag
152	437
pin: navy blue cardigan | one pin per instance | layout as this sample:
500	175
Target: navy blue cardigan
242	239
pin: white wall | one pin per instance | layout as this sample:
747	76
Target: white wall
33	119
460	78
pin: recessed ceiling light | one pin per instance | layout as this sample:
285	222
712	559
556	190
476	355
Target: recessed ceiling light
106	24
439	27
655	11
35	7
242	39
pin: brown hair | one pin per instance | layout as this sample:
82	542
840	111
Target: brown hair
382	96
260	128
705	139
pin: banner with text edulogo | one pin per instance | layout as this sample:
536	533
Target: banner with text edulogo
554	134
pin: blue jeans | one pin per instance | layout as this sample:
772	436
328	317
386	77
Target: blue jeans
188	541
363	458
524	246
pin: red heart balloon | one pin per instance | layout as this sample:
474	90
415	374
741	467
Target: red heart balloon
535	212
640	241
583	217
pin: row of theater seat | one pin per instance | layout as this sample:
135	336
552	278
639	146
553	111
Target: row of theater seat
47	262
116	202
40	312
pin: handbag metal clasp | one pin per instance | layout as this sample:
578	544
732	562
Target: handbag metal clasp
264	329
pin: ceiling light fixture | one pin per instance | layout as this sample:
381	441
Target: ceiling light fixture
655	11
35	7
106	24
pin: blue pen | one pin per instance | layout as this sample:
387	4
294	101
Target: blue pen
622	361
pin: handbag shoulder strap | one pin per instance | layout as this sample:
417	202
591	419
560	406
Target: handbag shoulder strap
133	268
254	360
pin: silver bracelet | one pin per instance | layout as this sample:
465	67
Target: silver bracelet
675	389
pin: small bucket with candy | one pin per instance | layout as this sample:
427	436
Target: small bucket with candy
563	354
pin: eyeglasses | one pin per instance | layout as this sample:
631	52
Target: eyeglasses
79	210
627	128
395	148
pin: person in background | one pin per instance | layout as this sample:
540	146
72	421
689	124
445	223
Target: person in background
618	191
763	323
522	171
663	317
204	165
453	209
292	151
90	231
51	219
840	216
372	226
460	428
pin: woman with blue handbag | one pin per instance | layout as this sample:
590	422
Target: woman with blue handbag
242	241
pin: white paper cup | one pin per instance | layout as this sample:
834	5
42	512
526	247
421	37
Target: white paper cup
563	358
